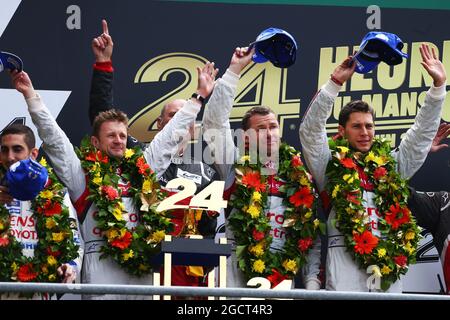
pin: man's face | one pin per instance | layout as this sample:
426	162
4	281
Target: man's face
170	110
112	138
359	131
267	130
14	148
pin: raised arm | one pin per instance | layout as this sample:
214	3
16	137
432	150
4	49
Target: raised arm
418	140
175	135
313	134
101	94
60	151
216	124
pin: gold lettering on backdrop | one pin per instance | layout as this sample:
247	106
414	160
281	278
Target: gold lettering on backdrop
260	84
329	57
143	123
263	84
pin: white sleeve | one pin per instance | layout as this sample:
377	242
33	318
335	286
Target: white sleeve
58	148
313	134
416	144
172	138
216	124
312	267
78	240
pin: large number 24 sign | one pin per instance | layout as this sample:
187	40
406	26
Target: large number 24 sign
214	192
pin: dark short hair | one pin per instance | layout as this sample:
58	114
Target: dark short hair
109	115
259	110
29	138
354	106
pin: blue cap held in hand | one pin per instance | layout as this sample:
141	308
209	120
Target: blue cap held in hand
275	45
378	46
10	61
26	178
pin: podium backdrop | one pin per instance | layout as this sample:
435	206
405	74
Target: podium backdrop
158	45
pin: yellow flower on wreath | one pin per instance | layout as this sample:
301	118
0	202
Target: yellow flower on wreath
290	265
254	211
158	236
256	196
43	162
259	266
257	250
410	235
97	179
51	261
129	153
50	223
112	234
117	212
58	236
147	186
126	256
46	194
386	270
381	252
335	191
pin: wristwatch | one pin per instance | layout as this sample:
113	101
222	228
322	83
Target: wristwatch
198	97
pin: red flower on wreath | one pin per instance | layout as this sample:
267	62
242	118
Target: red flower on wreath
353	197
296	161
142	165
258	235
110	192
4	241
365	242
302	197
253	179
50	208
123	242
396	216
50	252
276	277
98	156
348	163
401	261
304	244
26	273
379	173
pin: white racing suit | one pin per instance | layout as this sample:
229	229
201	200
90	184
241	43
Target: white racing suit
218	136
23	227
343	273
68	168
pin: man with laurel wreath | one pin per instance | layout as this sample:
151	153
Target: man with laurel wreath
110	137
356	126
18	143
269	229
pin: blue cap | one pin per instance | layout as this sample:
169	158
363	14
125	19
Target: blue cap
378	46
10	61
26	178
275	45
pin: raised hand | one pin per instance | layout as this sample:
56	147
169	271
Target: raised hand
102	46
22	83
443	132
344	71
434	67
206	79
240	59
67	273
